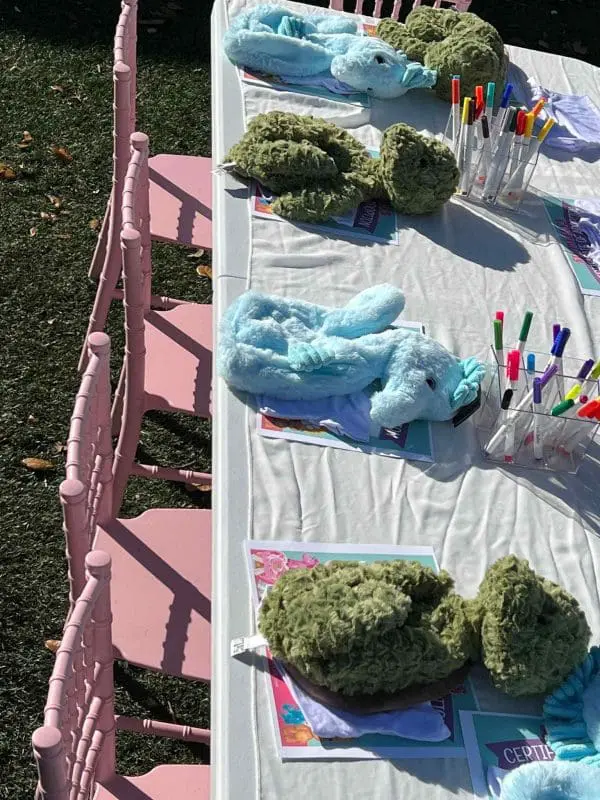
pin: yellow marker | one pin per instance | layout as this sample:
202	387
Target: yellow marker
545	130
465	111
595	373
538	106
529	120
573	392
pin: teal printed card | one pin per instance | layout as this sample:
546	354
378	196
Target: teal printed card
499	743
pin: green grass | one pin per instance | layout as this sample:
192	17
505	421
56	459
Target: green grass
45	300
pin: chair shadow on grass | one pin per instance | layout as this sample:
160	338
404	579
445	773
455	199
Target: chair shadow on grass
128	681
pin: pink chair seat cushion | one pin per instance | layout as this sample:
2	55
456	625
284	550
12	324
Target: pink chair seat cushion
179	359
161	587
181	199
167	782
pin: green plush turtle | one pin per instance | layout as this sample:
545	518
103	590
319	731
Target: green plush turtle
533	632
418	173
318	169
364	629
452	44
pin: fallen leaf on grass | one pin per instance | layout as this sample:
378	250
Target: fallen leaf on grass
31	419
48	215
198	487
52	645
60	447
197	254
7	173
204	271
94	224
33	231
57	88
62	154
54	200
37	464
25	141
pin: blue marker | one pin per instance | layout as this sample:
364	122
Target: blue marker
502	109
531	363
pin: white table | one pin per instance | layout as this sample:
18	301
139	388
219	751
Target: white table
455	270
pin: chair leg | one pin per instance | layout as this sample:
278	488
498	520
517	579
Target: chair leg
101	245
116	414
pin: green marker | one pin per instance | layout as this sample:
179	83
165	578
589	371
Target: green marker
524	331
498	344
563	406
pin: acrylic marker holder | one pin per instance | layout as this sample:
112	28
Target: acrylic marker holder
507	436
513	171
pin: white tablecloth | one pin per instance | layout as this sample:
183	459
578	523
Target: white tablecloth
456	269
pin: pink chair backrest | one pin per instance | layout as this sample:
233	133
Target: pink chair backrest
75	747
374	8
86	494
125	51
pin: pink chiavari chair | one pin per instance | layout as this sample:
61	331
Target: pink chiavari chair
180	194
75	748
374	8
161	560
168	354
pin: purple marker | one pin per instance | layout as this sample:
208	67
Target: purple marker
585	369
538	442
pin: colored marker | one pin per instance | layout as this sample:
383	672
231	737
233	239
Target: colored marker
515	158
557	352
460	156
538	442
479	102
531	363
514	184
555	331
499	348
561	407
524	333
455	112
535	111
489	101
468	155
486	152
512	373
509	443
500	157
544	380
502	110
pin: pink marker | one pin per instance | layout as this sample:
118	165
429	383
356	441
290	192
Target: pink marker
513	363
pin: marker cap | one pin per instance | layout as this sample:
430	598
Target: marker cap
525	326
500	316
550	372
560	342
537	391
513	362
531	362
529	120
585	369
545	130
491	91
485	128
563	406
498	344
538	106
506	95
573	392
455	91
595	373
